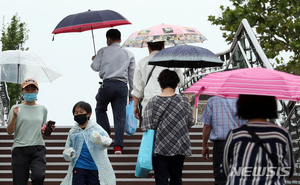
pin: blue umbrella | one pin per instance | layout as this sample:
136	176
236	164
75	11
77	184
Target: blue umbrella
186	56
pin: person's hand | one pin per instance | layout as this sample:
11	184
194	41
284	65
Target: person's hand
71	155
205	152
98	138
136	112
16	111
93	57
130	98
53	127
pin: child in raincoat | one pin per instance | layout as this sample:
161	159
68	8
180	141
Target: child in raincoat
86	148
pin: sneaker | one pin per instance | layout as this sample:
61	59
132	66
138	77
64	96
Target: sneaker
117	150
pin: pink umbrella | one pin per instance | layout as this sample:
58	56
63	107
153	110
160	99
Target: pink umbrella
253	81
171	34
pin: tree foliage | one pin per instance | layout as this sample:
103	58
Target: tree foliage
14	36
276	23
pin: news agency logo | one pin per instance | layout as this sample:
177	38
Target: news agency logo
260	171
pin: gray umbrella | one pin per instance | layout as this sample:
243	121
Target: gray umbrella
186	56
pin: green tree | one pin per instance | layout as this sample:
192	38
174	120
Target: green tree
276	23
14	36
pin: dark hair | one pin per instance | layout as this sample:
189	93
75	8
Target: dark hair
256	106
168	78
113	34
83	105
156	45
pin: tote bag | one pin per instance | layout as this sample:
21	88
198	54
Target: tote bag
144	160
131	121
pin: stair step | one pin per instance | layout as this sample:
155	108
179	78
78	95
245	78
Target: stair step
124	181
196	170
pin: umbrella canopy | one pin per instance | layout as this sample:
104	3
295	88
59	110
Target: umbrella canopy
251	81
171	34
186	56
90	20
17	65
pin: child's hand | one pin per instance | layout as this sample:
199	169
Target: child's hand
69	154
96	137
99	140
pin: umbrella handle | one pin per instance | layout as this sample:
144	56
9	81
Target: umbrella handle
197	99
198	96
93	40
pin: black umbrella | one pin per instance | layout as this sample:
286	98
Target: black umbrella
90	20
186	56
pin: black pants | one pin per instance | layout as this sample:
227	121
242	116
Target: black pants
220	178
23	158
168	166
85	177
115	93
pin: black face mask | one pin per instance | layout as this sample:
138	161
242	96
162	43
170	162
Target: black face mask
81	119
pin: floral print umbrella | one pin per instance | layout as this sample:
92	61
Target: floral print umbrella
171	34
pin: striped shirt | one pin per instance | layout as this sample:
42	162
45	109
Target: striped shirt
245	162
220	114
172	134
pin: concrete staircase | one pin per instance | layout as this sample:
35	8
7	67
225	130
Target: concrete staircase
196	170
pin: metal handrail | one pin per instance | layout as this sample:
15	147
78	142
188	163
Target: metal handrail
246	34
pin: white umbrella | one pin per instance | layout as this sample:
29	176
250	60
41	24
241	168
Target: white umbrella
17	65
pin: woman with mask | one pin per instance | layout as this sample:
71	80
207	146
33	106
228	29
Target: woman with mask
25	122
86	148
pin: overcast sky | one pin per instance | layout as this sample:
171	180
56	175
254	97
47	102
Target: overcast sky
71	53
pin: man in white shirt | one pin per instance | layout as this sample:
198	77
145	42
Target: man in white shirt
116	67
144	89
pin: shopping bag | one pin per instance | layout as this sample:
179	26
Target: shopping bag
144	160
131	121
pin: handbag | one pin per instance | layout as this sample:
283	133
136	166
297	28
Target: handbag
131	121
259	142
144	160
